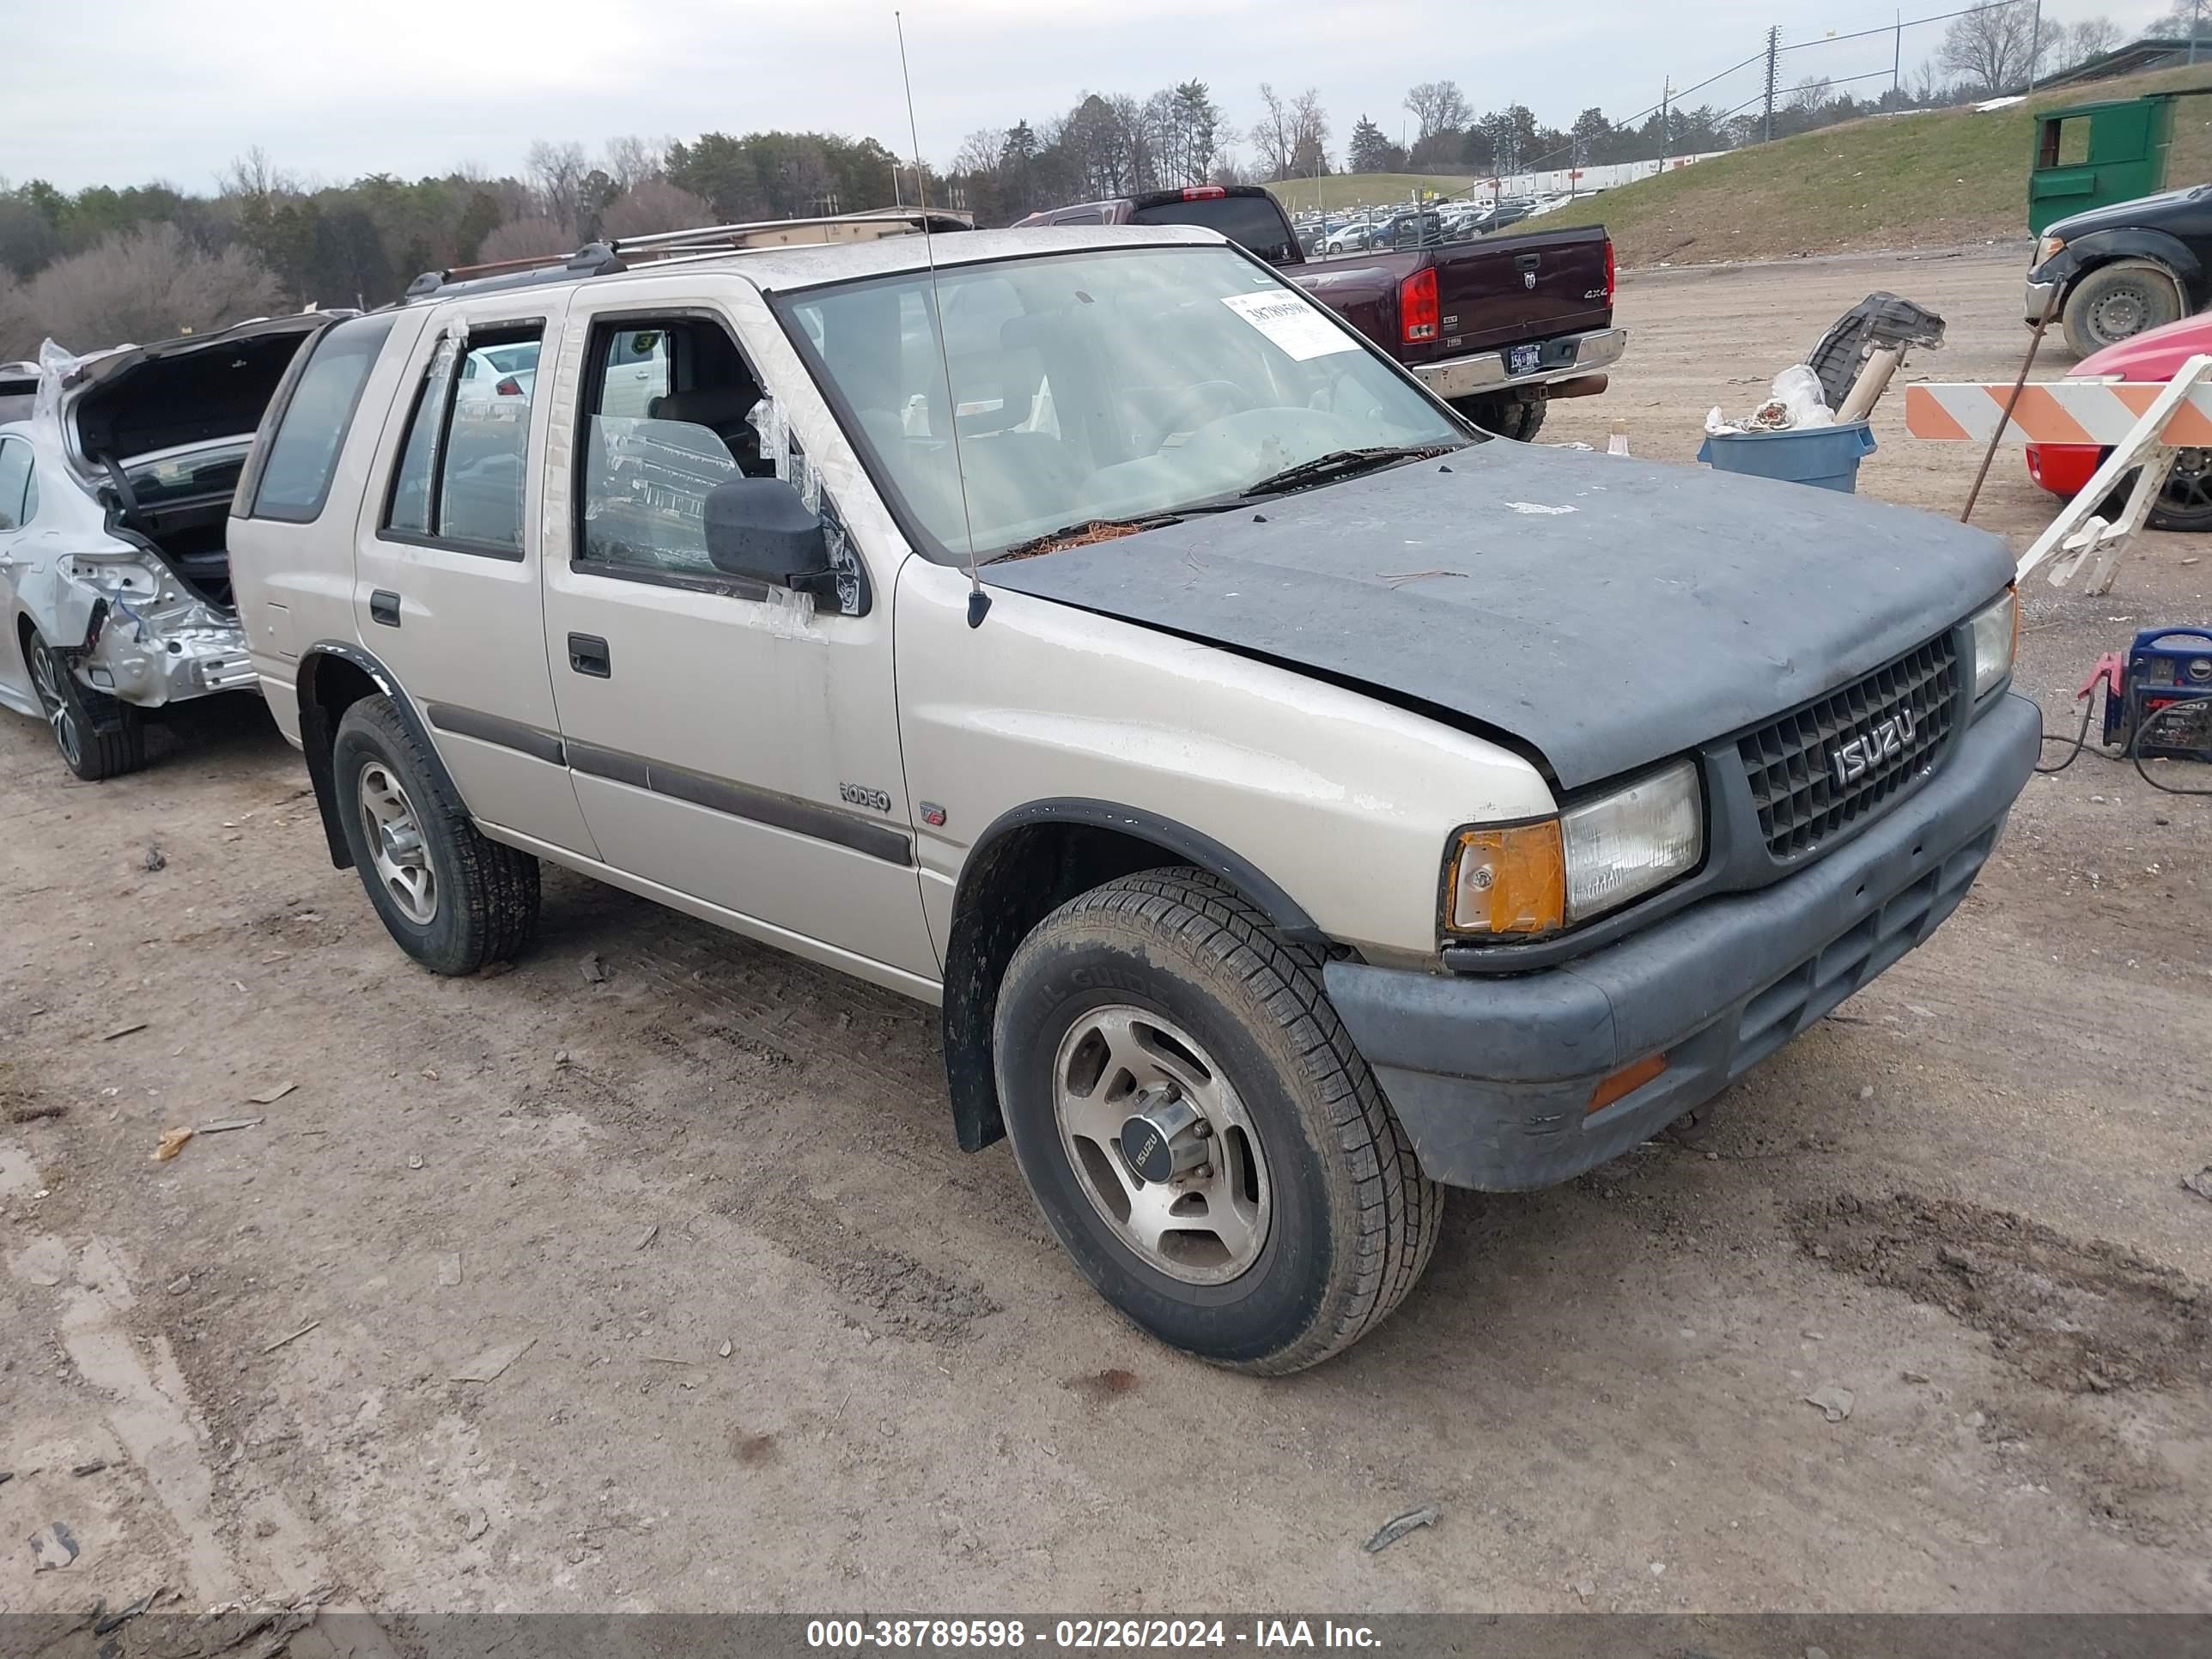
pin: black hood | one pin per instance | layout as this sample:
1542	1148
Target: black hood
1667	607
2151	210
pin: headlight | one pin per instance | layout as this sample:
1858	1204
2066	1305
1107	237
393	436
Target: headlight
2049	248
1996	635
1632	841
1535	879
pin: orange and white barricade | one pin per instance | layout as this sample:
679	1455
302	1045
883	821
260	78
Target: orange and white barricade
2142	425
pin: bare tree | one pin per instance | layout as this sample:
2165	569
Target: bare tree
1992	48
981	151
651	205
1275	135
1438	107
557	173
255	176
145	284
1309	155
535	238
631	160
2093	36
1812	94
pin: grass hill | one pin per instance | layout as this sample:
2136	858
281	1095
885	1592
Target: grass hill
1351	190
1923	180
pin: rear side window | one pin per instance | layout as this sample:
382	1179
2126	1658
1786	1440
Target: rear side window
461	473
303	453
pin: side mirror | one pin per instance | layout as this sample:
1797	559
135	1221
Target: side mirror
760	529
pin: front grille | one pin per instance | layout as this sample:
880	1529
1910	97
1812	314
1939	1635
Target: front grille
1802	798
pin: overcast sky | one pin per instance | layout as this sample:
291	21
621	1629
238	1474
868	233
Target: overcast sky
132	90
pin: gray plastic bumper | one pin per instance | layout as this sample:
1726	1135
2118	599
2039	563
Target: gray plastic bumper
1492	1077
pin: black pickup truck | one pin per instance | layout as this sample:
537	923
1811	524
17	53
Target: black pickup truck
1496	327
2119	270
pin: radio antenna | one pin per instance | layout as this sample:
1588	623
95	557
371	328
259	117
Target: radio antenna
979	601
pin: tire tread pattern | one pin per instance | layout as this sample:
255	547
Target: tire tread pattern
1395	1232
496	885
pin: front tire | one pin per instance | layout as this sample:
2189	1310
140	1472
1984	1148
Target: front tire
449	897
99	738
2118	301
1166	996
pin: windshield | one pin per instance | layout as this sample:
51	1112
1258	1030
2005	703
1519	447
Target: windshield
1104	385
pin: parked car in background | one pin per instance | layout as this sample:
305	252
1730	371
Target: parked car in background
1262	889
1496	329
114	501
495	385
2118	272
2152	357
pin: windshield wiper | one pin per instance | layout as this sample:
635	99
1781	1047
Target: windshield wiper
1343	464
1106	529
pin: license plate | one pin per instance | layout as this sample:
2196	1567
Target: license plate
1524	358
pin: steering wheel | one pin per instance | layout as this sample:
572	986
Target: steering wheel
1207	402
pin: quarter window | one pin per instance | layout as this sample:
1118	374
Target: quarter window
462	466
15	483
303	455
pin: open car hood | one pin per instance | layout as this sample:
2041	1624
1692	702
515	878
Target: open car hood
1602	613
140	400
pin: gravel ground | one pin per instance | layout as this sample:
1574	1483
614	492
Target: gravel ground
668	1288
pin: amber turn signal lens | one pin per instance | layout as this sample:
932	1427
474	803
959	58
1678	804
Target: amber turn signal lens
1512	881
1626	1081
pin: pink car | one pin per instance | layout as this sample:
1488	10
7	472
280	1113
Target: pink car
2153	357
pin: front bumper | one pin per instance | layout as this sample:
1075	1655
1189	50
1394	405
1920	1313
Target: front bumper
2039	300
1492	1077
1565	358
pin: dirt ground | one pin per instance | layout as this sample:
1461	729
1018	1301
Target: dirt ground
648	1275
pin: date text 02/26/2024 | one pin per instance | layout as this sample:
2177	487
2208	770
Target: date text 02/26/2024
1083	1634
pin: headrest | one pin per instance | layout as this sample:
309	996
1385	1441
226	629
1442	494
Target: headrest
713	407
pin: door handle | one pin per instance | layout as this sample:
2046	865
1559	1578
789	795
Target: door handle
384	607
1525	261
588	654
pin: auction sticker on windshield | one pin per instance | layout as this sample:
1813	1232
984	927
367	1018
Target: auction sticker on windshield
1301	330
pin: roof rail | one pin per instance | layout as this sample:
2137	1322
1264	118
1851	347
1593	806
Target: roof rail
614	254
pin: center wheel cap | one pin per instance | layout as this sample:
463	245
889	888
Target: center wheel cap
1166	1136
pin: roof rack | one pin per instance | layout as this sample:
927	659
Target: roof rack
614	254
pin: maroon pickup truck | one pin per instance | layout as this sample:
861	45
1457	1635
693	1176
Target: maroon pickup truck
1496	327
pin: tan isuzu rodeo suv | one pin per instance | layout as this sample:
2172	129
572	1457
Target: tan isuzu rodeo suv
1294	800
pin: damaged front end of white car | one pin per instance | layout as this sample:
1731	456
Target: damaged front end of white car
114	503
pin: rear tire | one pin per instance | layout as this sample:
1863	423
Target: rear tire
450	897
1517	418
2184	505
2118	301
99	738
1310	1219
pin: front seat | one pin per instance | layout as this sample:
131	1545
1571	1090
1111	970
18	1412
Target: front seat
722	411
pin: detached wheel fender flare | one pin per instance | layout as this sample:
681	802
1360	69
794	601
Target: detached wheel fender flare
319	731
2105	247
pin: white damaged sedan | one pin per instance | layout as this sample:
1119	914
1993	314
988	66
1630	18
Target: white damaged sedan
114	498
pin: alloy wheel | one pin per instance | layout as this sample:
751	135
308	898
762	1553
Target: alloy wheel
1162	1145
46	678
396	846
